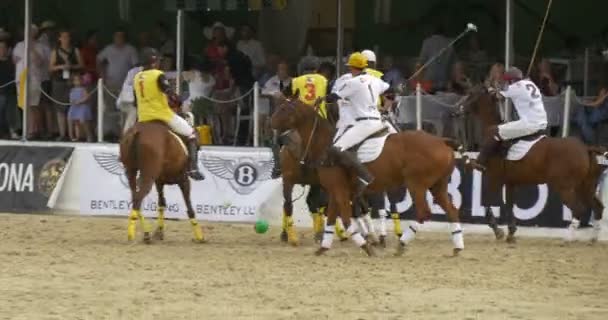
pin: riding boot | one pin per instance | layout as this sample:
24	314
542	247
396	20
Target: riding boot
193	171
489	148
276	157
349	160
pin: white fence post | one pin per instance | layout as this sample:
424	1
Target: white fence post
100	108
256	111
566	116
418	107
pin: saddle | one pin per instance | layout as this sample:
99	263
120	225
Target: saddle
381	133
505	146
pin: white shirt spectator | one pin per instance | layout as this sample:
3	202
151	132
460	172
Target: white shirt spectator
197	86
120	60
39	61
127	96
275	85
254	50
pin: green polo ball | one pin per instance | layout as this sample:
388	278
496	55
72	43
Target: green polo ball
261	226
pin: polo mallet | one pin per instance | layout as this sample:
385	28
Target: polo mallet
470	27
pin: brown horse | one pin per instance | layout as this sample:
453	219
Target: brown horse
293	172
160	157
566	165
416	159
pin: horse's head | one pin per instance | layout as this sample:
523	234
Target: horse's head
482	102
290	112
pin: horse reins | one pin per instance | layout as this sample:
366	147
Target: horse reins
312	132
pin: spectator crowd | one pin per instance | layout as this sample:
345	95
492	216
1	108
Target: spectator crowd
65	67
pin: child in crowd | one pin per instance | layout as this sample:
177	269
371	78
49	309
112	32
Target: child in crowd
79	115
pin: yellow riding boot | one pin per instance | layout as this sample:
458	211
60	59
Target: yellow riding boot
397	224
292	235
197	230
132	228
340	232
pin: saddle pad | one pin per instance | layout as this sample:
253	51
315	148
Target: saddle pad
519	150
371	149
180	141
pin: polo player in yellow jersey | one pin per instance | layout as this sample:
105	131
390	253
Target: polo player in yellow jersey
152	94
371	64
309	86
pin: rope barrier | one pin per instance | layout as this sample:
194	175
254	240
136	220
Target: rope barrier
108	91
89	94
230	100
7	84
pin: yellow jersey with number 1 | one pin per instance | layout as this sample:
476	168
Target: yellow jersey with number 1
311	86
152	103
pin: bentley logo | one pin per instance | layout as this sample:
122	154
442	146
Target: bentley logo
49	176
111	163
242	174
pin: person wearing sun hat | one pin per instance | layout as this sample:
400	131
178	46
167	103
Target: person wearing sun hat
216	34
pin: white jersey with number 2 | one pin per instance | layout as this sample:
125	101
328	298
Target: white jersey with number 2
529	105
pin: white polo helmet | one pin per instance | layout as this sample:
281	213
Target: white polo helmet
370	55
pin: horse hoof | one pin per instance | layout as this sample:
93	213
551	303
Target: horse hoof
456	252
511	239
159	234
199	241
284	236
368	249
318	236
382	242
147	238
400	249
499	233
321	251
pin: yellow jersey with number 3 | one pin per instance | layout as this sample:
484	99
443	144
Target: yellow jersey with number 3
152	103
311	86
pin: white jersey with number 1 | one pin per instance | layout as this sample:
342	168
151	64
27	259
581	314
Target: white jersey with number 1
362	93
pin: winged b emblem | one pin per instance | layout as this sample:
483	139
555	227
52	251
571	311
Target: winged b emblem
111	163
243	174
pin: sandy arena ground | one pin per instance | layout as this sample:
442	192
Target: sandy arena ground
62	267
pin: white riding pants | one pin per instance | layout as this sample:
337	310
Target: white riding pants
519	128
130	117
180	126
357	133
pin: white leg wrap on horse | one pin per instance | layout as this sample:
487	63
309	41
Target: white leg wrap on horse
355	235
328	237
382	222
457	236
410	233
571	233
362	226
369	223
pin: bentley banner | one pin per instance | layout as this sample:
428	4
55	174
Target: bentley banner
237	184
29	176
